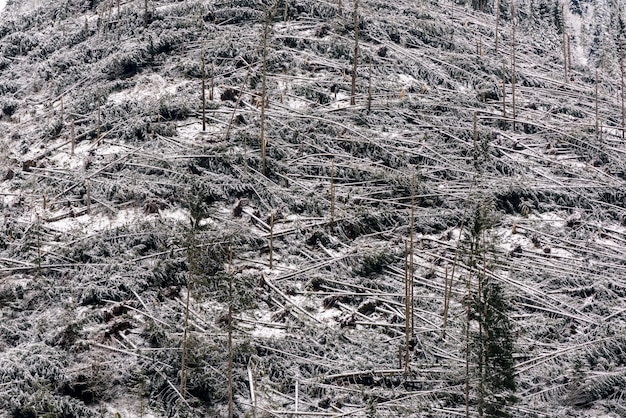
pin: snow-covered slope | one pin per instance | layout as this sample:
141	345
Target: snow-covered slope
129	229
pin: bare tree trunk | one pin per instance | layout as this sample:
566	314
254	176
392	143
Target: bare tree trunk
73	135
230	332
565	57
263	93
332	191
407	309
271	241
369	89
119	21
504	101
203	95
569	55
467	344
497	22
356	52
597	119
191	261
145	13
513	73
212	85
621	69
411	265
98	123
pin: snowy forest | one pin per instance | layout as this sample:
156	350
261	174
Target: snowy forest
312	208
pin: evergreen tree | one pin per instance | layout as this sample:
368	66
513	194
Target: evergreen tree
495	343
492	344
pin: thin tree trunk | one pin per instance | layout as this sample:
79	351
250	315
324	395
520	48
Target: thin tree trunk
212	85
407	311
411	265
38	244
263	93
513	73
230	332
73	135
565	57
504	103
497	22
119	21
467	344
145	13
369	89
569	55
203	95
597	119
271	241
356	52
88	197
621	68
332	191
99	120
191	260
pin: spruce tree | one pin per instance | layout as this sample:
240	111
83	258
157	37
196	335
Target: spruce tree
490	346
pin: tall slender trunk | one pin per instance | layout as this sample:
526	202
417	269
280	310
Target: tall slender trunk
203	95
191	261
597	119
332	191
621	70
467	343
513	72
411	265
263	93
230	331
145	14
271	241
369	89
407	310
98	123
356	52
497	22
565	70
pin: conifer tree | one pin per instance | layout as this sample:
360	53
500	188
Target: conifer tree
490	347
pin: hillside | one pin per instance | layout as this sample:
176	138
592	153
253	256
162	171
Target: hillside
154	248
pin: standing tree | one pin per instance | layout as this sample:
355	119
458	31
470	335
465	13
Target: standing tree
356	52
267	28
490	345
